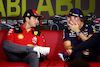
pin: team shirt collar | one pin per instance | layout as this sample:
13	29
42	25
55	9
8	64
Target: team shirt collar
23	28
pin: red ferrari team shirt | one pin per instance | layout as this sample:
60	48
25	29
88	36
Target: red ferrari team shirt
21	37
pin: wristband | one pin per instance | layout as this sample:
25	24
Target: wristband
78	33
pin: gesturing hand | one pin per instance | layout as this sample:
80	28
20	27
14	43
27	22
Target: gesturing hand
31	45
73	24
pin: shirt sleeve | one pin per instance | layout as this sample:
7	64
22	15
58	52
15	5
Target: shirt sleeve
10	35
41	40
66	35
90	30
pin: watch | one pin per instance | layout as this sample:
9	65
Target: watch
78	33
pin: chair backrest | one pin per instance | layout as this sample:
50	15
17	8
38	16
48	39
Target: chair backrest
3	35
54	39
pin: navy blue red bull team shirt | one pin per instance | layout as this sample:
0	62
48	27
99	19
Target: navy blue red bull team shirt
70	35
21	36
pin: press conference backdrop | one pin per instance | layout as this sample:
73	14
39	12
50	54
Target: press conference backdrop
14	9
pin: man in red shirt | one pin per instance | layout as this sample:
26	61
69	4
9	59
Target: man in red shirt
24	43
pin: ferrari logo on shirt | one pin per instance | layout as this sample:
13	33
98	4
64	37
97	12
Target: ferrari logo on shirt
20	36
35	32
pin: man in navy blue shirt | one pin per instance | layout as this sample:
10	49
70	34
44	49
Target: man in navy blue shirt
76	34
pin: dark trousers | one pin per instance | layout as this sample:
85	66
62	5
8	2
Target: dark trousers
19	53
76	55
93	43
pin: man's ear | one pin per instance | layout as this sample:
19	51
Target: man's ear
26	18
78	19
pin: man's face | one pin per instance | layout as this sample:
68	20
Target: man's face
74	19
33	21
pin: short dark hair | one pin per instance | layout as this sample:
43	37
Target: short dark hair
29	18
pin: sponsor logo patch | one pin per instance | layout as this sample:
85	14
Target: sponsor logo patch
20	36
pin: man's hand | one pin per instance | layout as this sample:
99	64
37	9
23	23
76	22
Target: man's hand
73	24
31	45
86	52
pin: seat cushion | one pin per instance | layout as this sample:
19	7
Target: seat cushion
44	63
2	61
14	64
94	64
56	63
5	63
